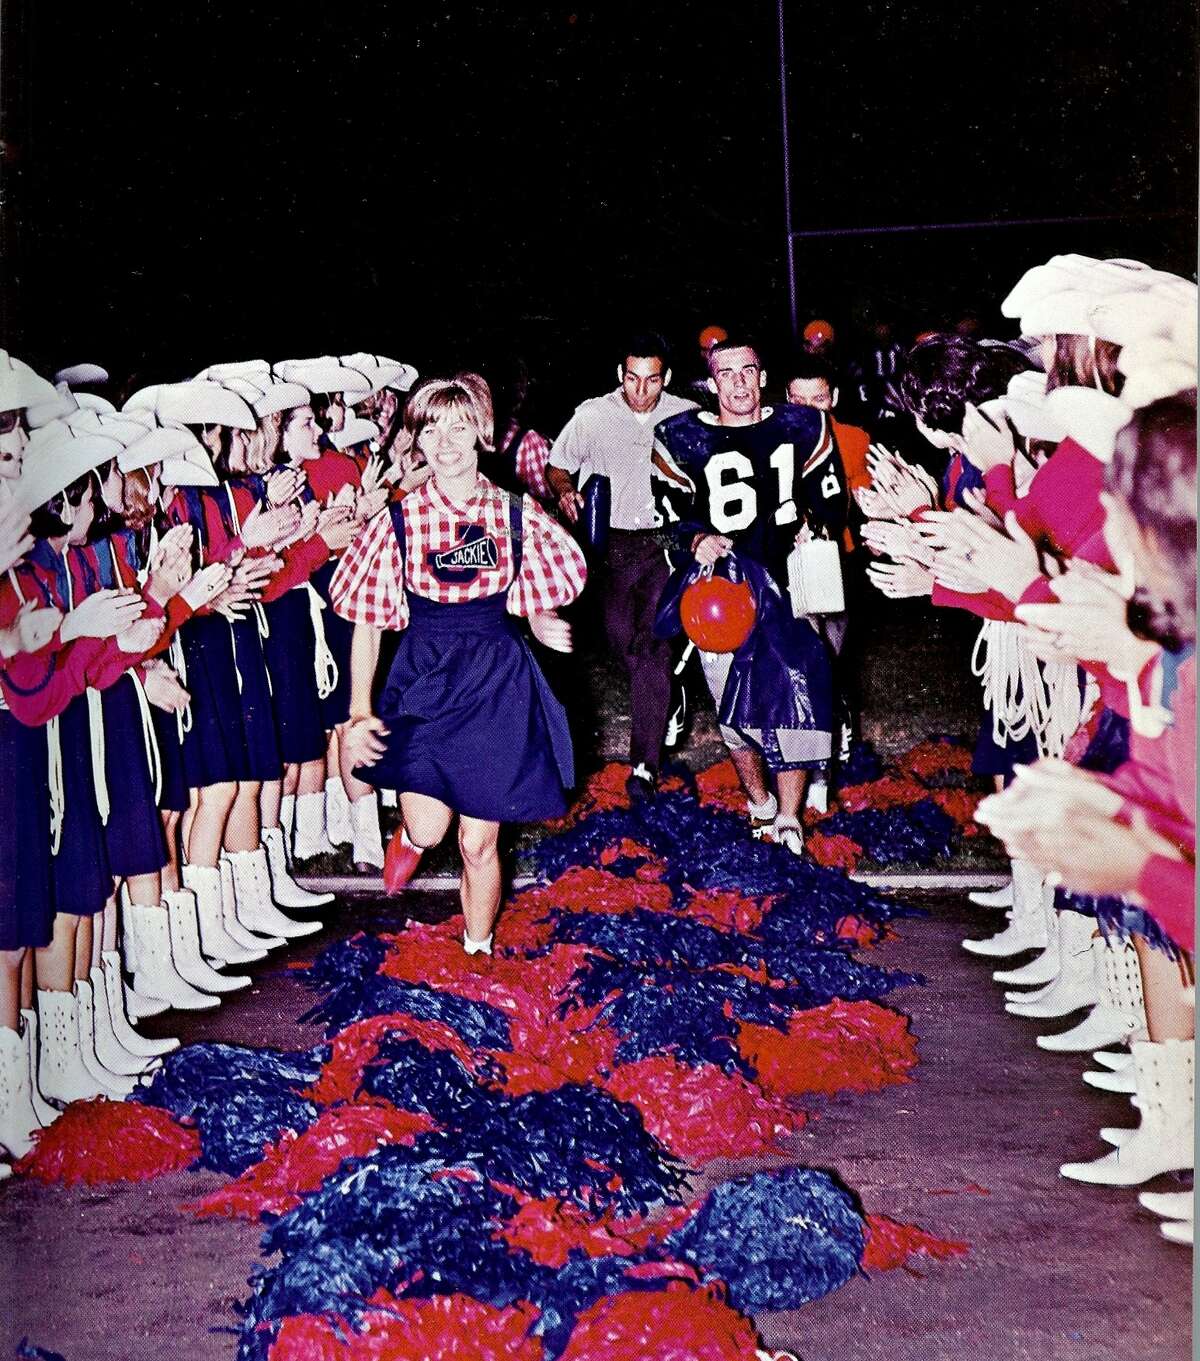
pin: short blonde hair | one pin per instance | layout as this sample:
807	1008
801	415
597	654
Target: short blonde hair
466	393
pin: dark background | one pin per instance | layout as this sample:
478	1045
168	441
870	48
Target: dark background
215	181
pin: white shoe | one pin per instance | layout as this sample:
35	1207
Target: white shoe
388	798
1120	1080
252	887
114	1085
1163	1141
284	889
287	821
310	839
1181	1232
1169	1204
1043	968
109	1050
45	1112
817	795
204	883
1027	925
477	947
233	923
992	897
1112	1059
1077	984
368	841
61	1071
18	1118
762	817
1120	1013
788	833
184	922
127	1036
338	827
157	974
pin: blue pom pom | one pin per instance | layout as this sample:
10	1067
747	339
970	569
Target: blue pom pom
863	764
917	833
344	961
26	1351
434	1083
778	1239
480	1025
199	1074
235	1125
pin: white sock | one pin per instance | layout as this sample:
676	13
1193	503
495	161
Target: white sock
765	811
477	947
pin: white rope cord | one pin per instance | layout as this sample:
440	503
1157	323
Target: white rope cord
58	797
149	736
323	660
1025	695
95	733
183	717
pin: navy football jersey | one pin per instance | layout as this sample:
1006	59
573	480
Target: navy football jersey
757	484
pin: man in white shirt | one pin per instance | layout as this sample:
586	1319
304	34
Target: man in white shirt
612	436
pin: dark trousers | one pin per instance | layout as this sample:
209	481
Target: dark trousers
635	573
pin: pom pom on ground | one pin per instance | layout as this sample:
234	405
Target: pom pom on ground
26	1351
719	787
97	1142
301	1162
834	852
444	1328
777	1239
845	1046
680	1323
701	1113
891	1245
940	756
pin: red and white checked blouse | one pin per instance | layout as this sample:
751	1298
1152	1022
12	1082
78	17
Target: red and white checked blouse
368	588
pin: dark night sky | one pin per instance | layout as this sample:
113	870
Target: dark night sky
209	181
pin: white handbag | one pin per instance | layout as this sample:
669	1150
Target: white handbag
815	578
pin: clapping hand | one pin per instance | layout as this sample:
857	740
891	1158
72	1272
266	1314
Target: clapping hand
31	630
550	630
171	564
103	615
988	444
264	528
206	585
142	635
901	580
967	547
15	539
1088	623
284	486
164	689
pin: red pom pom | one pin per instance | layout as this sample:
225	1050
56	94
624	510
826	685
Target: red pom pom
728	910
702	1113
888	792
356	1045
680	1323
105	1141
860	932
891	1244
301	1162
936	758
960	804
550	1230
444	1328
840	1047
834	852
719	787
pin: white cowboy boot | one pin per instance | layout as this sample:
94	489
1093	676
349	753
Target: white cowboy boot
46	1113
157	974
1076	985
109	1049
992	897
1182	1231
310	839
284	889
230	909
119	1085
1043	968
61	1071
368	841
1120	1014
338	827
18	1118
1026	929
252	885
127	1037
204	882
1163	1141
1169	1204
185	947
287	820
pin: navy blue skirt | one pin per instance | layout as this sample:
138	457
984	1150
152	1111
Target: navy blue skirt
993	758
258	712
214	747
26	875
335	707
174	795
83	882
290	650
133	834
472	720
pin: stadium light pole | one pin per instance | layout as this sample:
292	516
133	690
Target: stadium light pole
787	173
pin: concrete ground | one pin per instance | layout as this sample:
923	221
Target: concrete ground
968	1150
